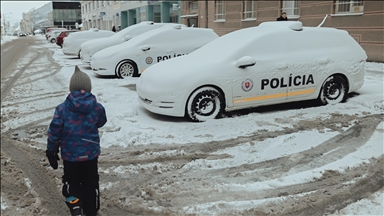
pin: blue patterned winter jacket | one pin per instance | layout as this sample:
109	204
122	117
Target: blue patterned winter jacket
74	127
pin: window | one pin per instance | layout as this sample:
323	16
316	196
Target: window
220	10
349	7
193	6
292	8
143	14
156	17
156	13
248	10
173	16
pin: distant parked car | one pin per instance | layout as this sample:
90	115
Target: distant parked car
89	48
131	58
72	43
22	34
256	67
52	35
62	35
50	29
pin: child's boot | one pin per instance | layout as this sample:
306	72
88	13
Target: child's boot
74	205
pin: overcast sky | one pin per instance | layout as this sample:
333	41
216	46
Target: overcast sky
13	10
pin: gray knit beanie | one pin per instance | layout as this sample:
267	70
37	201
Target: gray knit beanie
80	81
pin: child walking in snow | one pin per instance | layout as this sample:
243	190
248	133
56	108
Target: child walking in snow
74	129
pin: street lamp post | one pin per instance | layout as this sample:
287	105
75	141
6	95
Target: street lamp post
4	23
5	32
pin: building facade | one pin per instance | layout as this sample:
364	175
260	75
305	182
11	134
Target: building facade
100	14
156	11
121	14
364	20
66	14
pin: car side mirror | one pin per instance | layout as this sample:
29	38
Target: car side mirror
145	48
245	61
127	37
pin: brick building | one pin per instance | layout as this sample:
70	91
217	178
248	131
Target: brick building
364	20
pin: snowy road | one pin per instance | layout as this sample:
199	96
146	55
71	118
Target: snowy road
290	159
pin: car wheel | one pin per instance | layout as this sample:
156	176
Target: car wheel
205	103
334	90
53	40
126	68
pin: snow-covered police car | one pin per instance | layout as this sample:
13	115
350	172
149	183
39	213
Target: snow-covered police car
275	62
89	48
131	58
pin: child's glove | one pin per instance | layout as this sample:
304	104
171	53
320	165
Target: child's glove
52	158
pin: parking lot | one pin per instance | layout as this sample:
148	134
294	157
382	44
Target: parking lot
290	159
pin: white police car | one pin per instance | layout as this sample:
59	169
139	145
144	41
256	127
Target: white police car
275	62
90	47
131	58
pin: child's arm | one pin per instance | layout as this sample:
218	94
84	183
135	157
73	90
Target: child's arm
55	130
102	116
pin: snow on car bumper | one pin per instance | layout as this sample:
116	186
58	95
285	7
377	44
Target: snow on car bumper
161	107
101	68
67	51
170	108
102	72
85	58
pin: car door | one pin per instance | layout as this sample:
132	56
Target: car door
165	45
306	61
266	81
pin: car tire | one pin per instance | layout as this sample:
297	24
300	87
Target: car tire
334	90
204	104
53	40
126	68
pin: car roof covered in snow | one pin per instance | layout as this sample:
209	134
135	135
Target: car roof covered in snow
89	33
276	37
165	33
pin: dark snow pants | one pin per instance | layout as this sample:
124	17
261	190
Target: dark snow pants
81	180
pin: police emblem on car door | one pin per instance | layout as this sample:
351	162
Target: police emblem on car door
263	83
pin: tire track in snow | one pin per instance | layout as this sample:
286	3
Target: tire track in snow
327	152
34	98
10	83
194	151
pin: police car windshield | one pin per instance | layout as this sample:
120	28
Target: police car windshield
227	44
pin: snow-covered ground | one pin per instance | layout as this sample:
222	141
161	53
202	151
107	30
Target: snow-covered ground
5	39
129	124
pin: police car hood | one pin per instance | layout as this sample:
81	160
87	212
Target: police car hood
116	52
88	35
182	73
120	51
97	44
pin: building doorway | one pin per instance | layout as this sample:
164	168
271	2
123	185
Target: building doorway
192	21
